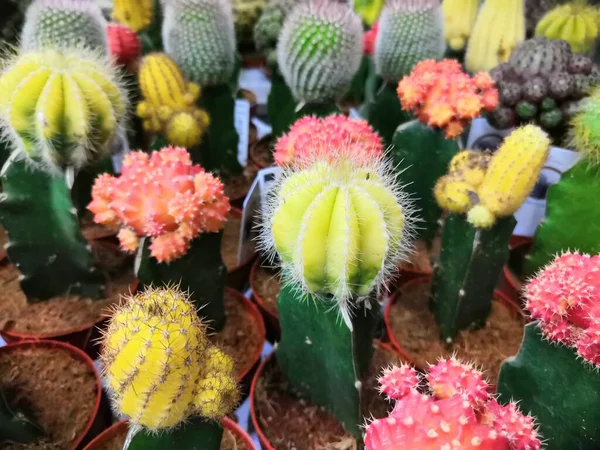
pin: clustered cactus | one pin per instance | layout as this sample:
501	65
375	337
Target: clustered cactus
542	82
246	14
312	137
135	14
319	50
459	413
168	104
268	26
163	196
124	46
60	108
160	366
442	96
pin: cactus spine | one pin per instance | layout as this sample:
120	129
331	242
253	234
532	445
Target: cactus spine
135	14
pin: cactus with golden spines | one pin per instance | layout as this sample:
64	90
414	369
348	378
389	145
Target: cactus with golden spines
481	192
169	106
136	14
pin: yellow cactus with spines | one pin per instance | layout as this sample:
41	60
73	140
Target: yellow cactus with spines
453	194
471	165
159	365
61	107
136	14
459	18
169	102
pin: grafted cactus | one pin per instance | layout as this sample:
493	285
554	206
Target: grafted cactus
124	46
135	14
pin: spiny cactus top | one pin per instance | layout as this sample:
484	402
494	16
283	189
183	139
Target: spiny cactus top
163	196
442	96
169	102
584	133
136	14
460	413
565	298
199	35
409	31
319	50
489	188
64	24
60	108
124	46
310	135
160	366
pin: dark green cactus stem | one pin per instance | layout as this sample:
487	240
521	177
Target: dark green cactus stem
151	37
281	104
468	271
45	241
557	388
422	155
201	272
195	434
578	188
321	357
15	427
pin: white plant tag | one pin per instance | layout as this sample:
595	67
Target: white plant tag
242	126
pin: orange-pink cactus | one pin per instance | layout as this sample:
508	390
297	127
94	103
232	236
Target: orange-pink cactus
162	196
443	96
311	137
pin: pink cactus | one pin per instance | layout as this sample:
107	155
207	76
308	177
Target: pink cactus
310	137
369	38
460	413
565	298
124	46
162	196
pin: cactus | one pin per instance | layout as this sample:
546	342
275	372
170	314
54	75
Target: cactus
369	10
124	46
168	103
475	245
246	14
543	82
64	24
161	369
498	29
459	413
459	18
268	27
369	39
181	209
575	23
339	226
560	350
135	14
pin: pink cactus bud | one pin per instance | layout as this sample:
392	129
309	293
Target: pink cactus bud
124	46
450	377
510	422
397	382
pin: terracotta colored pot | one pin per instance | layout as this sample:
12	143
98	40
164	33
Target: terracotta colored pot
271	320
253	152
237	277
96	423
253	61
121	427
510	283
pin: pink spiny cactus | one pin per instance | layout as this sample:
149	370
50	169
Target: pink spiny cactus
124	46
565	298
460	413
369	38
311	136
162	196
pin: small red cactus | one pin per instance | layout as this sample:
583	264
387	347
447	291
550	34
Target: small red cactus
443	96
124	46
449	418
163	196
369	39
310	137
565	298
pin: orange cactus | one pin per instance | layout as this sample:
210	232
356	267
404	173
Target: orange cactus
162	196
443	96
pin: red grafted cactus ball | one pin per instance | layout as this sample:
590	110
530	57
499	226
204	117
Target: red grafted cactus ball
124	46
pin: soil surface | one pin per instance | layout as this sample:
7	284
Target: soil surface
231	241
423	258
266	285
289	422
237	187
56	390
262	151
415	329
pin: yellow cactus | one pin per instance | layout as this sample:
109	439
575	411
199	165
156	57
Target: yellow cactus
159	365
369	10
61	107
576	23
136	14
459	18
453	194
169	104
470	166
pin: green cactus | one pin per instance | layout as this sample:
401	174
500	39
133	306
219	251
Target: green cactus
246	14
268	27
64	23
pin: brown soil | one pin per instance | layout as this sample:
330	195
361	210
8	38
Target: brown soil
262	152
241	335
291	423
64	313
266	284
415	329
92	230
230	242
3	238
56	390
422	259
237	187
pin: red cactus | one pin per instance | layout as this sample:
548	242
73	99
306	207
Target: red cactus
442	96
311	136
449	418
369	39
124	46
163	196
565	298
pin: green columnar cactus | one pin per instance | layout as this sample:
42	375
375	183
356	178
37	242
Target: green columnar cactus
339	225
199	35
60	109
64	24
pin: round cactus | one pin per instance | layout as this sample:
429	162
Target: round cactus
159	365
64	24
60	108
173	202
135	14
199	35
409	32
268	26
320	50
124	46
584	133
